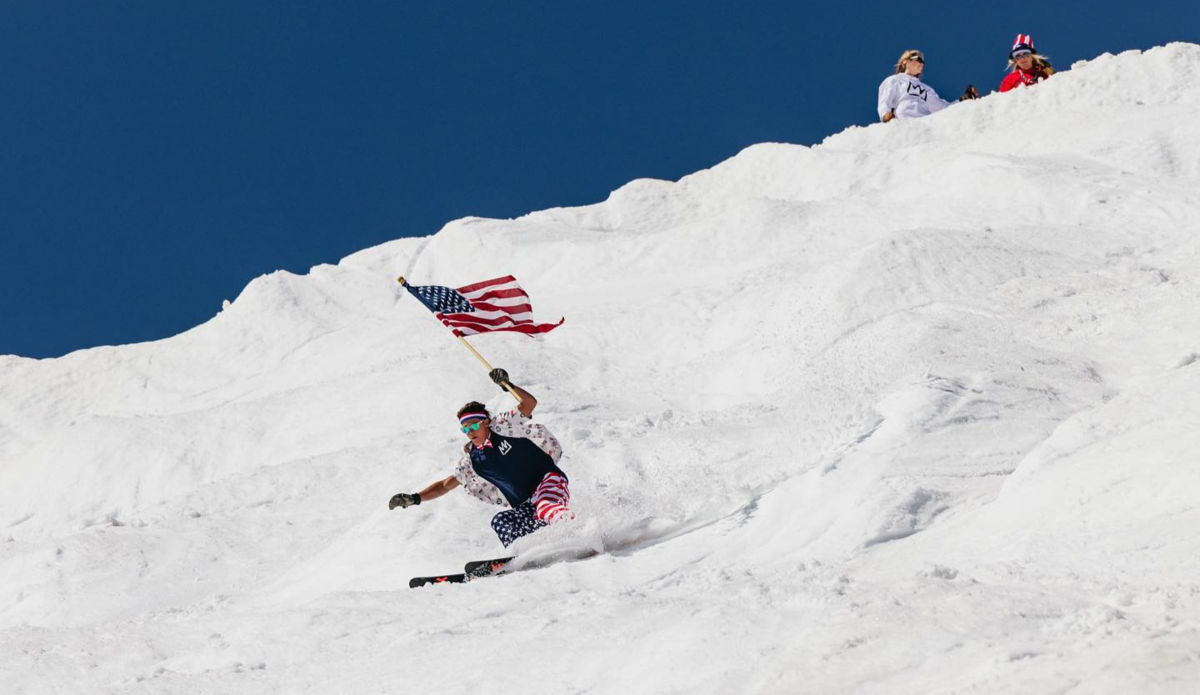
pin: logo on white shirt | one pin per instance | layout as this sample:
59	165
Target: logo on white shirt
918	90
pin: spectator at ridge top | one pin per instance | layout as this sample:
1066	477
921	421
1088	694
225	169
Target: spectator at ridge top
1028	68
904	95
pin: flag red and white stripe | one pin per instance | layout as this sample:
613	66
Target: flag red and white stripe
500	305
484	307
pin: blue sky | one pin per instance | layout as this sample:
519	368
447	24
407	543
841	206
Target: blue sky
157	156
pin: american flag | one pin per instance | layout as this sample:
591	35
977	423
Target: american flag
492	305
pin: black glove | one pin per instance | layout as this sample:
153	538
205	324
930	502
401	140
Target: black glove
404	499
971	93
500	377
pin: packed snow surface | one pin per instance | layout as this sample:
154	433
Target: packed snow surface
915	410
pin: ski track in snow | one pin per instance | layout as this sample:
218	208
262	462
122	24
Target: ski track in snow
915	410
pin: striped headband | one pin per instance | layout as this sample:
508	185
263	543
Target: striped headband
462	420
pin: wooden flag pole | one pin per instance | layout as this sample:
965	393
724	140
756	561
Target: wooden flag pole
507	386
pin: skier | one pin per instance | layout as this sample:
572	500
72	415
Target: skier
507	461
904	95
1028	68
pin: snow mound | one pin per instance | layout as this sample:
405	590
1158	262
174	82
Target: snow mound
912	410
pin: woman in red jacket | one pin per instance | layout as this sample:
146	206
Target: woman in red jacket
1028	68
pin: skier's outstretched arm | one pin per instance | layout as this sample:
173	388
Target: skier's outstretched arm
434	491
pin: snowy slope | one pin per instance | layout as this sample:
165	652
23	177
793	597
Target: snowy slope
916	410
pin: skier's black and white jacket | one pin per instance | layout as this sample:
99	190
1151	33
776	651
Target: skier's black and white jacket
512	425
909	97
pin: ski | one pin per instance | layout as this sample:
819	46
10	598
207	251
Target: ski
416	582
480	569
476	569
484	568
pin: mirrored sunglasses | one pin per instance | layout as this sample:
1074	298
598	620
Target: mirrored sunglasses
474	426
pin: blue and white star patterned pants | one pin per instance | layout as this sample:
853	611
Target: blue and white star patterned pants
511	524
547	505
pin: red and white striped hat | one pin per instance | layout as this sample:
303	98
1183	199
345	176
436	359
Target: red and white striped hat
1022	44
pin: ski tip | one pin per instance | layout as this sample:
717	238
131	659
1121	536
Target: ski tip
486	567
418	582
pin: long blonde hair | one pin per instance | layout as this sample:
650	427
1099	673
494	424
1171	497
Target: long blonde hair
904	58
1039	61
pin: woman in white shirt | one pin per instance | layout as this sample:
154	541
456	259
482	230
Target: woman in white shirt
904	95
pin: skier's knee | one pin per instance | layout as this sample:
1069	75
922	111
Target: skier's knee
550	512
